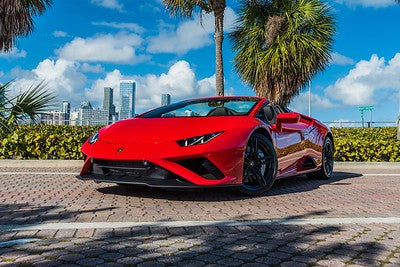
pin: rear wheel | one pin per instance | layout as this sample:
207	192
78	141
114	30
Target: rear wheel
327	162
260	166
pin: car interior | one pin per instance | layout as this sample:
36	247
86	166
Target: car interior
269	112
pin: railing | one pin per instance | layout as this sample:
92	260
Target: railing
335	124
360	124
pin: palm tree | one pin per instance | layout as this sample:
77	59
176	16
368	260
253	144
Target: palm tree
16	19
24	107
186	8
281	44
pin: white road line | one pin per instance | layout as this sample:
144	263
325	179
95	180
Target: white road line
75	173
98	225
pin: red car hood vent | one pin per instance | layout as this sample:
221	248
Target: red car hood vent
145	130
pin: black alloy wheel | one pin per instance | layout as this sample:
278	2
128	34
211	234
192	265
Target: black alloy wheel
327	162
260	166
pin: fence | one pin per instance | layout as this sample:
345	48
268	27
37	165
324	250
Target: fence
334	124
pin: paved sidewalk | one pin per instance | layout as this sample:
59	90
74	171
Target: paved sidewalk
323	223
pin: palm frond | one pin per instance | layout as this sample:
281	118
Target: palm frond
281	44
26	106
16	19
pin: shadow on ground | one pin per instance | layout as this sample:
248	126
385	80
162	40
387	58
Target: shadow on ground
269	245
281	186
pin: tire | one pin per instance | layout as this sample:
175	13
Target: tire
327	162
260	166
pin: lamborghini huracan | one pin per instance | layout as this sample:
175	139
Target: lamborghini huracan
242	142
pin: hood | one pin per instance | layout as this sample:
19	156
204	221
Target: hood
145	130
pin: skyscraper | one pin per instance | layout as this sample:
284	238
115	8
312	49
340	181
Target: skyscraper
66	110
165	99
127	92
108	102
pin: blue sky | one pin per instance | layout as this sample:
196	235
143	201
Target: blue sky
80	46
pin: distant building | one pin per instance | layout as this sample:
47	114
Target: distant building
86	105
53	117
165	99
93	117
66	109
108	102
74	118
127	91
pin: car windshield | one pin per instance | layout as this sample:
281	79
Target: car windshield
205	108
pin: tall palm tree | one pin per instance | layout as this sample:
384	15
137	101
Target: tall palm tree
281	44
16	19
24	107
186	8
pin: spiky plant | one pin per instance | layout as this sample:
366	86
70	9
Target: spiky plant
16	19
24	107
281	44
186	8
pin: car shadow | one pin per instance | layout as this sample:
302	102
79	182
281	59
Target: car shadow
282	186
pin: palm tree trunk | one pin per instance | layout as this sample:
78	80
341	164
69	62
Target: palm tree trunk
219	37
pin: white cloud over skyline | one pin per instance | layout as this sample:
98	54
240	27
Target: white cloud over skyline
188	35
59	34
339	59
367	3
360	85
14	53
110	4
114	48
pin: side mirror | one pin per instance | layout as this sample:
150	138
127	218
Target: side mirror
291	117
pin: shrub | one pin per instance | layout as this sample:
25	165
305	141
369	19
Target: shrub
45	142
64	142
368	144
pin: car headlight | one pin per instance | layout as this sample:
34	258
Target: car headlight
94	138
198	140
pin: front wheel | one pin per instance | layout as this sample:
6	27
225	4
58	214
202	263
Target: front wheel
327	162
260	166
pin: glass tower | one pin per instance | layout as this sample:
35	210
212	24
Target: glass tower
127	92
165	99
108	101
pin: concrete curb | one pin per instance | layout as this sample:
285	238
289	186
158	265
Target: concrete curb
6	163
9	163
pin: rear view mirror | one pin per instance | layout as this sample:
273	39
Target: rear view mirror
291	117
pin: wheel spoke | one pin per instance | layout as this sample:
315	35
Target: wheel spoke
258	176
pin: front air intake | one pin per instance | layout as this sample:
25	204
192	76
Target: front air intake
203	167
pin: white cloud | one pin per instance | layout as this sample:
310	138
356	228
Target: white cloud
111	4
361	84
300	102
59	34
367	3
85	67
188	35
118	48
61	77
180	81
14	53
133	27
339	59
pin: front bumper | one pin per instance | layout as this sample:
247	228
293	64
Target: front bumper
148	174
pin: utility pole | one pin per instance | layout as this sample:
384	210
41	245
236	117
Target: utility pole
309	98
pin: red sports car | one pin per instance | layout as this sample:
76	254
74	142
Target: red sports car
242	142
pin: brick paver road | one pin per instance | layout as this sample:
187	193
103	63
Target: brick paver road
41	196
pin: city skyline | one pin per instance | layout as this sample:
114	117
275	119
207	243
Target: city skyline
164	53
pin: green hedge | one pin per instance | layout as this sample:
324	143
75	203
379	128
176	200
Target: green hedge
64	142
368	144
45	142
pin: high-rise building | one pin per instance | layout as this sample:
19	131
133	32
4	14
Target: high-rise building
66	109
108	101
127	92
165	99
